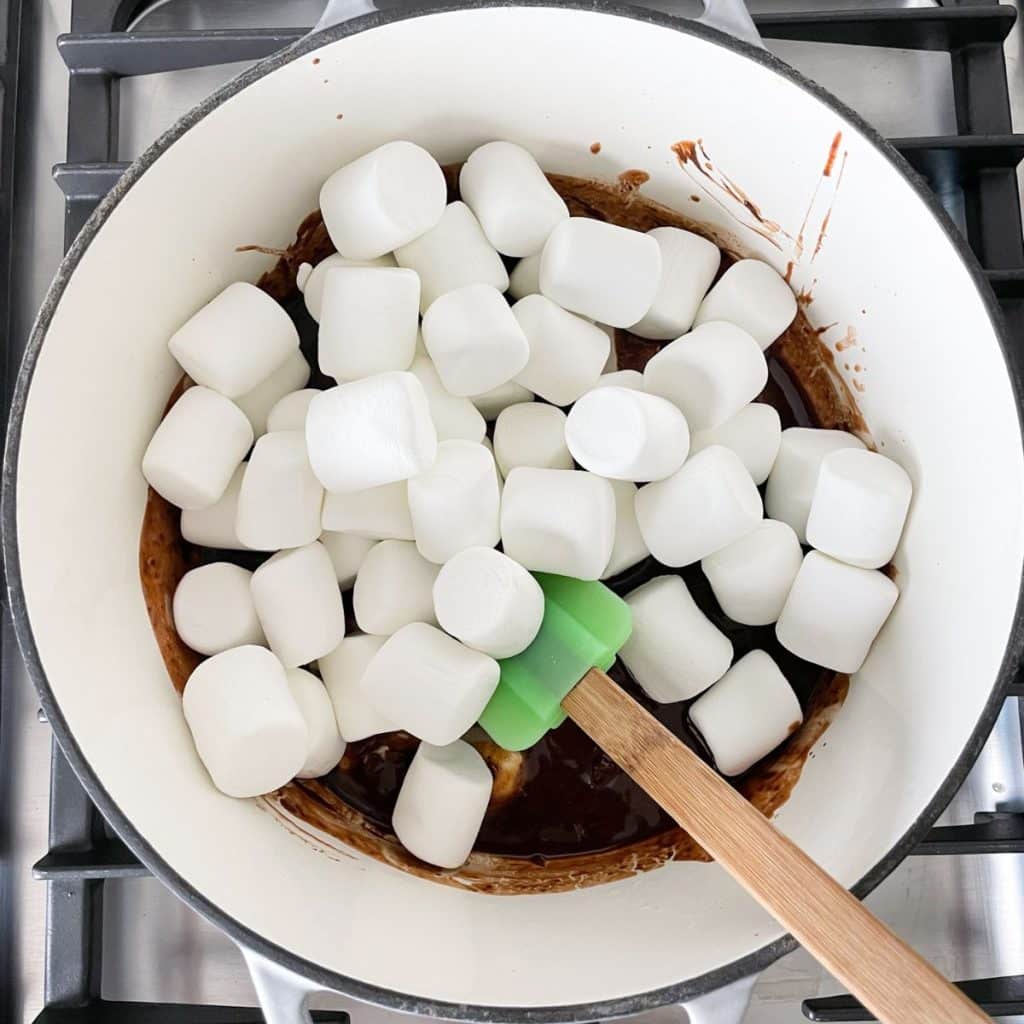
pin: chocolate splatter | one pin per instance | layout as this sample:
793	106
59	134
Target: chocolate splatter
631	181
691	152
848	340
832	151
266	250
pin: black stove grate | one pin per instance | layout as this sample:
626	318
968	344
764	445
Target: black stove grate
10	38
981	159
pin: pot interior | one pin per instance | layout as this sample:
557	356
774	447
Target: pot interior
791	180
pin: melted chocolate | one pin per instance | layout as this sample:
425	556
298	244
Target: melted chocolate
562	814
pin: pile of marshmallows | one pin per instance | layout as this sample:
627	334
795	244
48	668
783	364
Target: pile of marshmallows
388	482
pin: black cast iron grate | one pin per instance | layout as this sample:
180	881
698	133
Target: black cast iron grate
10	38
99	51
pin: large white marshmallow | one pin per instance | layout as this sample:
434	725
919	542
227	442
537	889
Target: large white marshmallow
348	552
368	321
289	412
475	341
196	449
342	671
452	254
453	415
710	373
600	270
256	404
752	576
525	277
442	803
394	586
213	609
707	504
531	434
751	295
754	434
489	602
621	379
747	713
629	547
214	526
312	284
688	266
235	341
834	611
794	474
429	684
379	513
626	434
567	353
299	604
859	507
324	745
370	432
455	504
558	520
247	728
492	403
674	651
280	501
517	207
385	199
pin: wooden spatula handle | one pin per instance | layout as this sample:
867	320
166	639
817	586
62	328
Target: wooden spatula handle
881	970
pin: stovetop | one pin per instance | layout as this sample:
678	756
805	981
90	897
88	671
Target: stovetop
962	910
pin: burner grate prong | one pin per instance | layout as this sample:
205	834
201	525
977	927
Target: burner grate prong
998	997
148	53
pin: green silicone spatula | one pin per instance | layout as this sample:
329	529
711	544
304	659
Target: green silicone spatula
584	626
563	673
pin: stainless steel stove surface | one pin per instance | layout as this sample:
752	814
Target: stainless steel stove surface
963	912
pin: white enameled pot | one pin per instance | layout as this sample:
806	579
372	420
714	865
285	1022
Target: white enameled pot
787	173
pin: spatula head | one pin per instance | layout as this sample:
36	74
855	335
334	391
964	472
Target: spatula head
584	626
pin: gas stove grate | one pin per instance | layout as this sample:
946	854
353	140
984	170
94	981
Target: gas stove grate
10	37
981	159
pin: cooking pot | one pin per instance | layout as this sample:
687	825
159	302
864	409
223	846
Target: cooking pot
785	172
